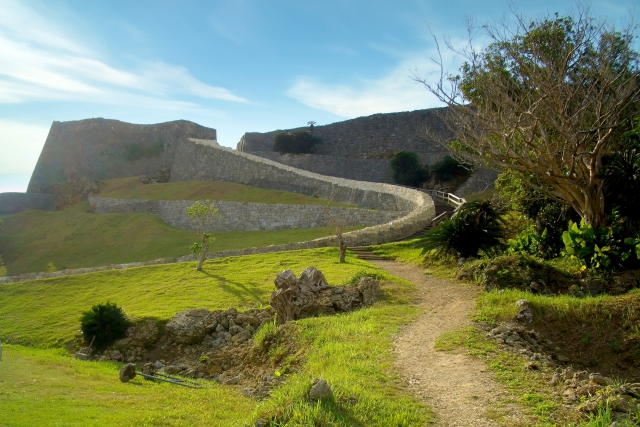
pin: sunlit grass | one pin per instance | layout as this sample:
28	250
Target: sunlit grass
34	241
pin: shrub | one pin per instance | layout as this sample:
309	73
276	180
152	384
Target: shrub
477	226
600	248
449	168
517	271
407	169
106	322
299	142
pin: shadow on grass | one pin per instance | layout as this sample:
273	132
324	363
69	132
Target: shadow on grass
244	293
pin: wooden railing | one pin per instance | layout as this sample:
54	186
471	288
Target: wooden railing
446	198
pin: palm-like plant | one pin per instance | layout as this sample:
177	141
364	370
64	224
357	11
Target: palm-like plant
476	226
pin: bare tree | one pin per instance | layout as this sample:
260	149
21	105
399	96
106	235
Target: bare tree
338	226
545	99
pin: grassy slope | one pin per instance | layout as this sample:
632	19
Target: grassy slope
350	351
46	312
132	188
75	238
46	388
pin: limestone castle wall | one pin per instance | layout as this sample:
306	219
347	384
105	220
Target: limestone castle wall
246	216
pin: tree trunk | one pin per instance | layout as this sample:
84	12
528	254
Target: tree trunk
203	254
594	206
343	250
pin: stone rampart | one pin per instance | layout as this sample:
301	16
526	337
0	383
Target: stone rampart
371	170
246	216
376	136
11	203
199	161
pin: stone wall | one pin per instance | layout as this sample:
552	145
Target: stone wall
377	136
203	160
11	203
198	161
246	216
103	149
372	170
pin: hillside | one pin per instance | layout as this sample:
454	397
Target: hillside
350	351
33	241
132	188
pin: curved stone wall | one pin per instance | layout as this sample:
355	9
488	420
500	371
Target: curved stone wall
246	216
197	160
201	160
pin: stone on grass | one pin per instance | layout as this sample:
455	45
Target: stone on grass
319	390
127	372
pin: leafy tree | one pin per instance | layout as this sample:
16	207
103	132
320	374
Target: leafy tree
299	142
449	168
106	322
550	217
407	169
621	178
477	226
545	99
202	214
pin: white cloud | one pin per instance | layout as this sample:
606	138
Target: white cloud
20	145
40	62
396	91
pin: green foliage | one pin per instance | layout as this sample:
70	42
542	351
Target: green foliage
529	241
449	168
407	169
106	322
477	226
545	240
621	177
134	151
202	214
600	248
299	142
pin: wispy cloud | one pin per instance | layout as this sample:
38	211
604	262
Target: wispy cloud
41	62
395	91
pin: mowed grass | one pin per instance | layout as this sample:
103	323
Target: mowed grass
46	312
48	388
34	241
350	351
132	188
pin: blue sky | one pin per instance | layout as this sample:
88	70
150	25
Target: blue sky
237	65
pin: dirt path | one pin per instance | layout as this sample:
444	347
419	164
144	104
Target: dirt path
457	387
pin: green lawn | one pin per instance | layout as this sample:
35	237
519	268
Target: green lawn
34	241
351	351
132	188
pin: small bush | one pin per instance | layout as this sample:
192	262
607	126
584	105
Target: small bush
476	227
601	248
300	142
107	322
519	271
407	169
448	169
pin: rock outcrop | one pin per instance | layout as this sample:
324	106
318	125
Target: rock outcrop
309	295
